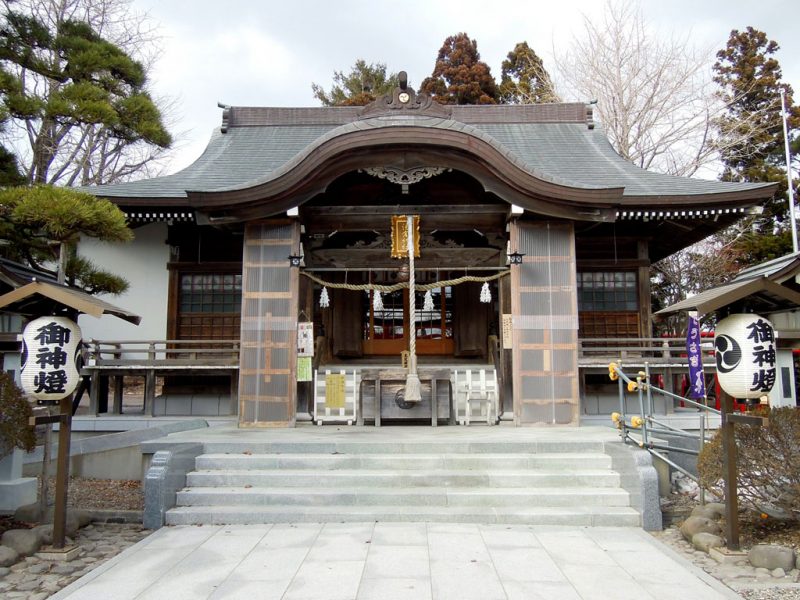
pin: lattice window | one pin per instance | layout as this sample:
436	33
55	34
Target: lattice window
594	324
607	291
209	305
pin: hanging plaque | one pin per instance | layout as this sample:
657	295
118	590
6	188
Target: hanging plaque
334	390
400	236
508	328
304	371
305	339
50	348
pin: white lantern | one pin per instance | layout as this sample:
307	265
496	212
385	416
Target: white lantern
744	347
50	349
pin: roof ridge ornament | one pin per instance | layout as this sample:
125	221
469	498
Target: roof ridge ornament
404	100
226	117
590	113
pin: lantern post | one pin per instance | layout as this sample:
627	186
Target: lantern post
744	351
51	347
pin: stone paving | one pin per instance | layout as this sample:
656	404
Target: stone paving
385	561
396	564
35	579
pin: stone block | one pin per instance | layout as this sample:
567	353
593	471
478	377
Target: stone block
717	507
705	511
770	557
706	541
45	533
8	556
24	541
695	525
29	513
17	492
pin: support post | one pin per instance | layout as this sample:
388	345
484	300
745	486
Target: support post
729	471
62	473
150	392
44	490
118	385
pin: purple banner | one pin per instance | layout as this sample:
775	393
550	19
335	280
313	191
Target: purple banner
697	384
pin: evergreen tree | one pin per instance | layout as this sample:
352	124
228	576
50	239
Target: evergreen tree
524	80
9	170
36	221
460	76
364	84
80	99
750	80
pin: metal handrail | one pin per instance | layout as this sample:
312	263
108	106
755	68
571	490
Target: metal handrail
646	424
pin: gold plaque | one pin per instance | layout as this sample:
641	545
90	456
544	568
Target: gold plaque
334	390
400	236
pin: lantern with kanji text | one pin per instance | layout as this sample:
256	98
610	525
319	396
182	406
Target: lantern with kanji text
744	348
50	348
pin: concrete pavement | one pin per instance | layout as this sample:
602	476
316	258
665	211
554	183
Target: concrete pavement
394	561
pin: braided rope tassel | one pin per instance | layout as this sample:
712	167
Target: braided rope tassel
412	379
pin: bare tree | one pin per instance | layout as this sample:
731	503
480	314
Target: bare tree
702	266
654	96
87	153
659	105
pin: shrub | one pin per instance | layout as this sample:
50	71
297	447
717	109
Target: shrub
15	411
768	463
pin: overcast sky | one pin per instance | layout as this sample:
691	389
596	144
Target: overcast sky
256	53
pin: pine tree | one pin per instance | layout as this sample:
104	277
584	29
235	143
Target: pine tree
364	84
36	221
750	80
80	100
524	80
460	76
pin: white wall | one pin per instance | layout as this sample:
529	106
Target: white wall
143	262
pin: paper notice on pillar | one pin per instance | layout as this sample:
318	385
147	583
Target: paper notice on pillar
305	339
304	368
334	390
508	329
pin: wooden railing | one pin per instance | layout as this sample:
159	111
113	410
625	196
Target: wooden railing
145	353
658	351
120	359
226	352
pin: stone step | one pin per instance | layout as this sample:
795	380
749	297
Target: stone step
588	516
440	445
413	462
349	478
431	496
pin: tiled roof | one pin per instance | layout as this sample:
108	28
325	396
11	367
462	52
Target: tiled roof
554	143
777	269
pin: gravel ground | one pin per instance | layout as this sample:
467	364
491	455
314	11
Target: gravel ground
102	493
771	594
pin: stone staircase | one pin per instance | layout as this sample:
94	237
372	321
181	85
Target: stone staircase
542	482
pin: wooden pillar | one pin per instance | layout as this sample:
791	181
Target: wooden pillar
643	276
94	393
729	471
150	393
118	388
545	311
268	351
